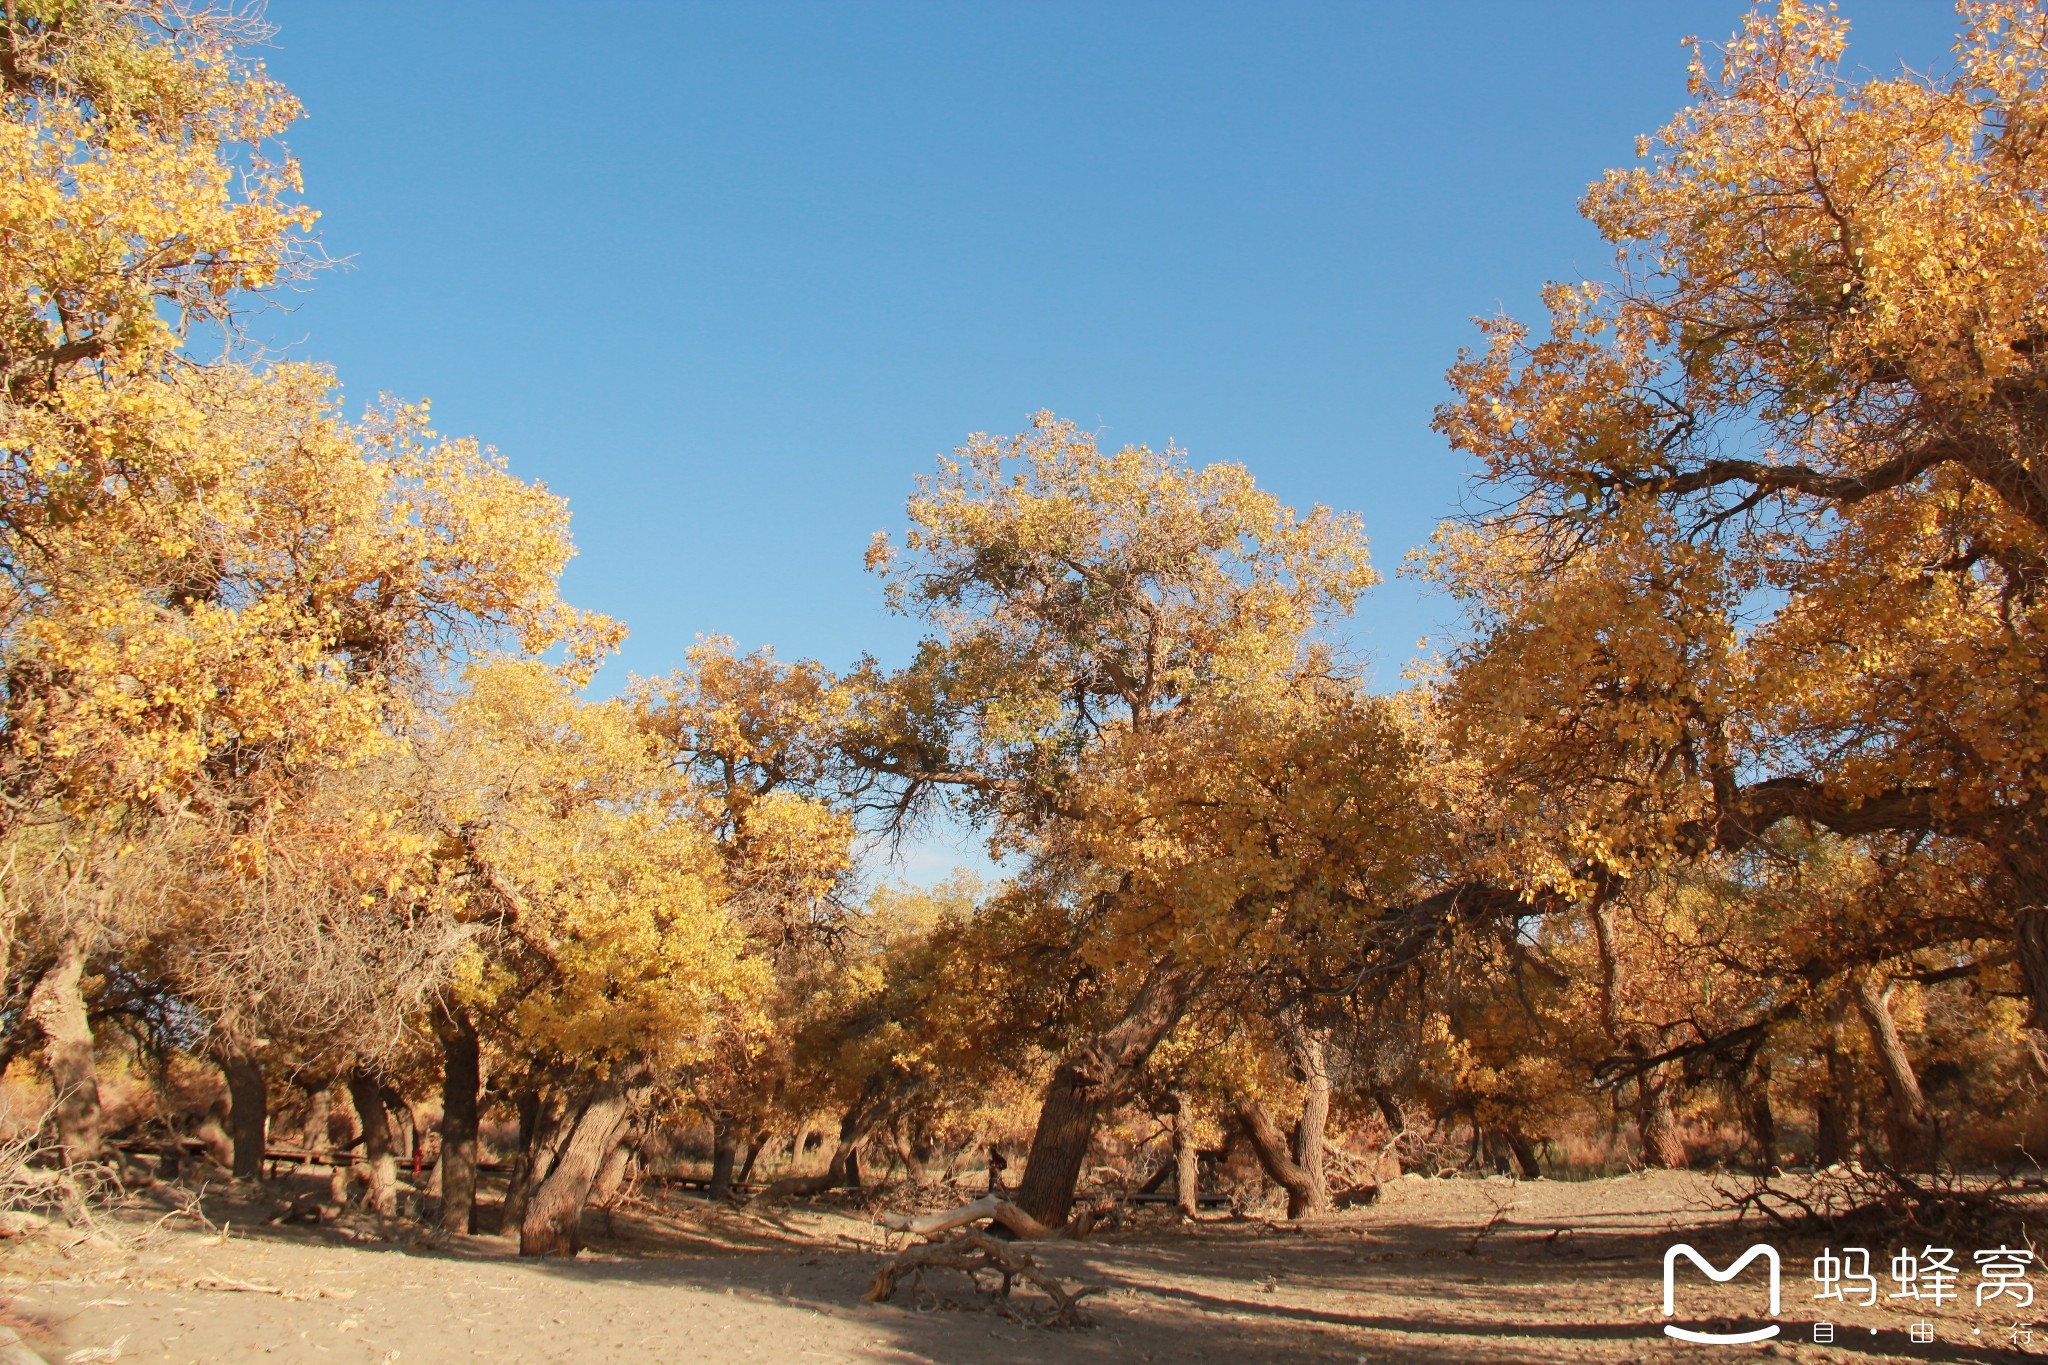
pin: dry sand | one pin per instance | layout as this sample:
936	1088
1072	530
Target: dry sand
1441	1270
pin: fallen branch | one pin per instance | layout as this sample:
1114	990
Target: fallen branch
990	1206
1881	1196
1356	1197
1501	1208
310	1208
976	1254
223	1284
15	1351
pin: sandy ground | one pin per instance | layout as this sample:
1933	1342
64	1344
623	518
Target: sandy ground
1451	1271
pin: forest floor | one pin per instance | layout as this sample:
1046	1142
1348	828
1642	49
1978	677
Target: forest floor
1465	1270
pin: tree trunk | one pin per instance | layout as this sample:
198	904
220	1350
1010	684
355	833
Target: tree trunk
1270	1146
844	1168
1187	1161
1308	1049
522	1179
1761	1119
754	1151
611	1176
1097	1077
315	1130
724	1152
1837	1104
963	1153
248	1105
552	1125
57	1005
553	1225
914	1151
1657	1124
1391	1113
1909	1128
381	1168
799	1147
313	1135
1526	1159
405	1128
342	1137
2030	944
461	1077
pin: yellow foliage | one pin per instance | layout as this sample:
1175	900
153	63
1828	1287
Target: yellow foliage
608	940
1769	528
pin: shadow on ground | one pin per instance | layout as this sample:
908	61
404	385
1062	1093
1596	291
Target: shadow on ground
1466	1275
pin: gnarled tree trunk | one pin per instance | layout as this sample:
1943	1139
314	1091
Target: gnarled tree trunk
914	1150
1909	1127
1270	1146
380	1166
535	1125
313	1135
342	1137
1527	1161
724	1153
1836	1107
1656	1122
844	1168
611	1176
1391	1113
1096	1077
553	1225
461	1077
993	1206
754	1150
405	1128
1656	1125
2030	945
57	1005
248	1104
1187	1159
1759	1116
1308	1048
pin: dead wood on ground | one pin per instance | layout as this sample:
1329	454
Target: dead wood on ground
977	1255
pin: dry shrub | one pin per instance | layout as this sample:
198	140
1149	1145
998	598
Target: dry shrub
312	966
1879	1201
1579	1154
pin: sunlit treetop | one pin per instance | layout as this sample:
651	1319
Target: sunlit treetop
145	195
208	573
1132	574
1074	591
1765	525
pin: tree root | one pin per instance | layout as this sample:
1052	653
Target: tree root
974	1255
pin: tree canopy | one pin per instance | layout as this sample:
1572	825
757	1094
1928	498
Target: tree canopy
1722	813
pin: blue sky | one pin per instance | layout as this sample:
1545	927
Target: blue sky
728	275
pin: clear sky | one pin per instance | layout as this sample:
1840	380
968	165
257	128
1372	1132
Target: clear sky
728	275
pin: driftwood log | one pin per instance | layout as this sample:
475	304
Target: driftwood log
976	1254
990	1206
15	1351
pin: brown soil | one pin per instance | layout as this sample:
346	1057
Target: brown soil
1443	1270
